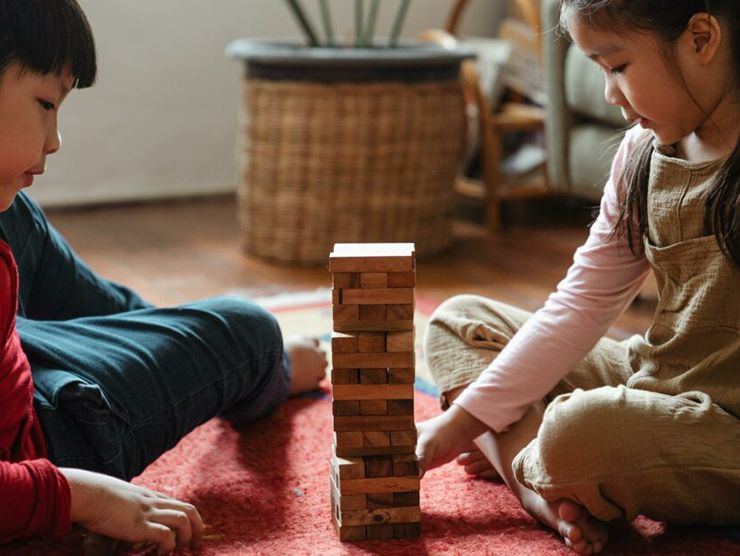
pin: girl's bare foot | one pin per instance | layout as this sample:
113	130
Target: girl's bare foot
475	463
308	363
582	532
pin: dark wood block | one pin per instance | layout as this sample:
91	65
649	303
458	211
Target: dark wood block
345	407
373	342
403	311
349	440
401	375
380	484
374	423
369	325
373	376
374	280
345	376
375	450
373	360
403	438
373	313
345	343
343	313
373	391
375	439
400	341
374	407
377	466
401	279
406	530
405	465
379	500
404	499
398	407
342	280
378	532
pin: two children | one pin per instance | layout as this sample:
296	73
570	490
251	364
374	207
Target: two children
95	383
584	429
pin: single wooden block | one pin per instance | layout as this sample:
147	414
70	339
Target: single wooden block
382	484
399	341
403	438
372	257
345	376
374	407
347	502
401	279
381	516
341	280
372	342
375	439
405	375
349	533
373	376
336	296
374	423
373	312
345	407
373	391
397	407
374	280
377	466
400	312
372	325
406	530
349	440
380	296
402	499
401	359
375	450
350	468
343	313
345	343
405	465
380	532
378	500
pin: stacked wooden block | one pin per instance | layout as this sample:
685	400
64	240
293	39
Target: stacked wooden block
374	469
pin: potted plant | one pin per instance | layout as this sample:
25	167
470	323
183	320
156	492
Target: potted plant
347	143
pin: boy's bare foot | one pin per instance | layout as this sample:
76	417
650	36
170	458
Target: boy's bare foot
475	463
308	363
582	532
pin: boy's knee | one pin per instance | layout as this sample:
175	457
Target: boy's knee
246	321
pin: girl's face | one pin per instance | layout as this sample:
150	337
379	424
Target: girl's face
639	81
29	103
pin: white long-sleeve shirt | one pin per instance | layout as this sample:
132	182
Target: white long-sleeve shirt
601	283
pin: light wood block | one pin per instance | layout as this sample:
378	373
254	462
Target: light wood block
373	376
369	325
373	391
400	341
376	439
373	280
399	312
345	343
344	313
401	279
375	407
381	516
351	468
373	360
383	484
380	296
374	423
403	438
343	440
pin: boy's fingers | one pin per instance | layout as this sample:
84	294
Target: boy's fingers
178	521
162	536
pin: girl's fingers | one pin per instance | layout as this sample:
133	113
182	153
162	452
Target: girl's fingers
176	520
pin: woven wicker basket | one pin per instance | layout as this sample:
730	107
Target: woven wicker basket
323	163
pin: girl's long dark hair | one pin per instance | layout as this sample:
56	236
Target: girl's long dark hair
47	36
668	19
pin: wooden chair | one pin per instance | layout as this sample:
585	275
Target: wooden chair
494	126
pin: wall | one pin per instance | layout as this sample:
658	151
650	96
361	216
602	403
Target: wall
161	121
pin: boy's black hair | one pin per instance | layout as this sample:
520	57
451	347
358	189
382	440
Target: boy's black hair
47	36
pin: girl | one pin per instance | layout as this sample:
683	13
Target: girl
95	383
649	425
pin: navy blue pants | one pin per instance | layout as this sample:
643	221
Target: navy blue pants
117	381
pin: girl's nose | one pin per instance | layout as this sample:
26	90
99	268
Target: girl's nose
613	94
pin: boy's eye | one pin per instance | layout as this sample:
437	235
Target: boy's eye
618	69
47	105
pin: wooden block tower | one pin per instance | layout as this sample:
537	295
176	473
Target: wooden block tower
374	468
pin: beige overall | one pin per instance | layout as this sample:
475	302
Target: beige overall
649	425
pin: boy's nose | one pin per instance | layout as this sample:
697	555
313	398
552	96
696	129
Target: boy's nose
54	142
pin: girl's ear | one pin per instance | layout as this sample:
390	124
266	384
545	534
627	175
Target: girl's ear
704	35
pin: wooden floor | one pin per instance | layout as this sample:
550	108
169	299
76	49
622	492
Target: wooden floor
175	252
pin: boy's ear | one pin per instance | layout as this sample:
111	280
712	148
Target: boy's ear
705	36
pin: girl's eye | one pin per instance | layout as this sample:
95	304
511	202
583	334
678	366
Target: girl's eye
47	105
618	69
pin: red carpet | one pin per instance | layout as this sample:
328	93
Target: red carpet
265	491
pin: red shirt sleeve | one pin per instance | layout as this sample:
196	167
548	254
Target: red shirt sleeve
35	497
36	500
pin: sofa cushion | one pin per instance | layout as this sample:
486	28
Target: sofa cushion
590	153
584	86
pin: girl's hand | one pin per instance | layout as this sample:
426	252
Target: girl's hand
131	513
444	437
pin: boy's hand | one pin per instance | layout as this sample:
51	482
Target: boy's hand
120	510
444	437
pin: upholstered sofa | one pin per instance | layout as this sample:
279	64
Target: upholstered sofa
582	130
